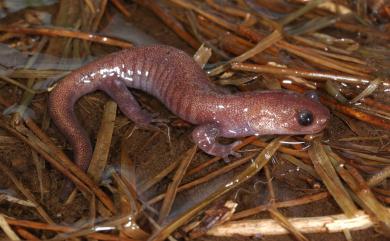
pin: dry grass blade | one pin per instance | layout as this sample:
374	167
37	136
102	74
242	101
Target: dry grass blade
188	5
195	29
16	83
375	158
62	32
11	199
119	4
7	229
36	73
350	27
98	12
327	62
324	46
128	191
283	221
130	207
335	92
127	169
39	167
59	160
205	164
313	25
324	168
233	11
173	186
365	138
251	34
258	48
207	177
357	114
26	235
342	57
26	192
275	214
363	193
169	20
335	8
61	229
290	203
53	155
269	227
254	168
289	18
379	177
157	178
103	142
309	169
298	72
282	149
255	36
367	91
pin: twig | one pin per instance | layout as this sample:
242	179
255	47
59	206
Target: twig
324	224
103	142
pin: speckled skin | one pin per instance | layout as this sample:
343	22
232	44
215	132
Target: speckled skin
175	79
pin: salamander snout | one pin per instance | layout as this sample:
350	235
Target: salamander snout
303	114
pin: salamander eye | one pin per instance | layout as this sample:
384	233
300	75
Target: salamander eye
305	117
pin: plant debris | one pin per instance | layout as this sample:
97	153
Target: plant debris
151	183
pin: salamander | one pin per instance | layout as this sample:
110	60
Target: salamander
183	87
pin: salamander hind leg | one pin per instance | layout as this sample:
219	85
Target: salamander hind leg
129	106
205	136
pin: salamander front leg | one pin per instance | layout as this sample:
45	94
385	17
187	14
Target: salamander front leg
205	136
129	106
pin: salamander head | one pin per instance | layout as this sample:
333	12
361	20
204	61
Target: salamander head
288	113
